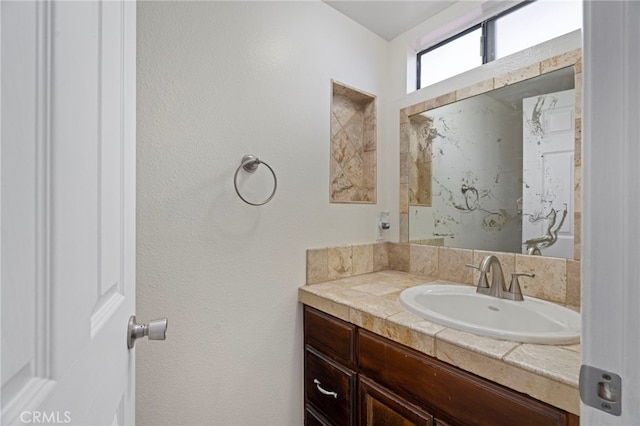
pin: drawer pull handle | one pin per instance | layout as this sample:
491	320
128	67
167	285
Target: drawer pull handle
323	391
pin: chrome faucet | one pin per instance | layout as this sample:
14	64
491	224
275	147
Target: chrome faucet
497	287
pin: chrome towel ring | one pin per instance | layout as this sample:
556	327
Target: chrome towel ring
250	163
475	197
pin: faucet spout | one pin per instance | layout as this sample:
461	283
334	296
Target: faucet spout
497	287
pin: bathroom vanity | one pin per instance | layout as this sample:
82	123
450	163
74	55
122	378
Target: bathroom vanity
368	361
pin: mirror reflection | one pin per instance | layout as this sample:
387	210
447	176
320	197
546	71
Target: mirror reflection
496	171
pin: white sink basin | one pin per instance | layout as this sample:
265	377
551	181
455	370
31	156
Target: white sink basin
460	307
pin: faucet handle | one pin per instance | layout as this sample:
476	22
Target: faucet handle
515	293
482	281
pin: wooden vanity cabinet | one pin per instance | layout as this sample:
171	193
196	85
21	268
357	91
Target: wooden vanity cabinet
380	382
380	406
451	395
329	370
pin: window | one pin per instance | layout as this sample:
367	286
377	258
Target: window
527	24
538	22
460	54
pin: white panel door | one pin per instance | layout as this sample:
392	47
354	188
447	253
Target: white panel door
547	175
611	204
68	211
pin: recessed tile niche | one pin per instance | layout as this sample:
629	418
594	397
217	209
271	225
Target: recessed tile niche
353	146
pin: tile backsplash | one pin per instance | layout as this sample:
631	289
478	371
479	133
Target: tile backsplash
556	280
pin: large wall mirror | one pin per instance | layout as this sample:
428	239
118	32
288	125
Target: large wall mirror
496	166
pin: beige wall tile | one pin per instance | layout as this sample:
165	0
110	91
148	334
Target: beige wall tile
435	241
578	89
370	126
578	145
399	257
380	257
577	240
404	167
476	89
561	61
574	283
404	227
423	260
317	266
404	118
404	137
577	189
507	261
370	168
518	75
451	265
362	256
352	146
445	99
404	198
550	281
335	124
420	107
340	262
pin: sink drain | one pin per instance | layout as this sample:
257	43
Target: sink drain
493	308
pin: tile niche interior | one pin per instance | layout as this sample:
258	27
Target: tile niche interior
353	146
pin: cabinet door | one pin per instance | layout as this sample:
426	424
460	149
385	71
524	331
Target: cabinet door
464	398
380	407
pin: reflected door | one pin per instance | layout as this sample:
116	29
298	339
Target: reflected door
548	174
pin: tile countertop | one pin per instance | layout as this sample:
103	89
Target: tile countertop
545	372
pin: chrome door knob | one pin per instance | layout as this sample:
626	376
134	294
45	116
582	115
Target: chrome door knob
155	330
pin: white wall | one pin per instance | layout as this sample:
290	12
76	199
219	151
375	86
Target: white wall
217	80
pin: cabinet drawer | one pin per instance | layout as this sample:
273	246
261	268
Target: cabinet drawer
312	418
330	335
329	388
468	399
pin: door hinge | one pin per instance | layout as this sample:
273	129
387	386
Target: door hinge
601	389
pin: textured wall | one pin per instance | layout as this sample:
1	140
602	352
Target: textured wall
217	80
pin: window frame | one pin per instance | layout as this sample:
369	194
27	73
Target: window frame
487	39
